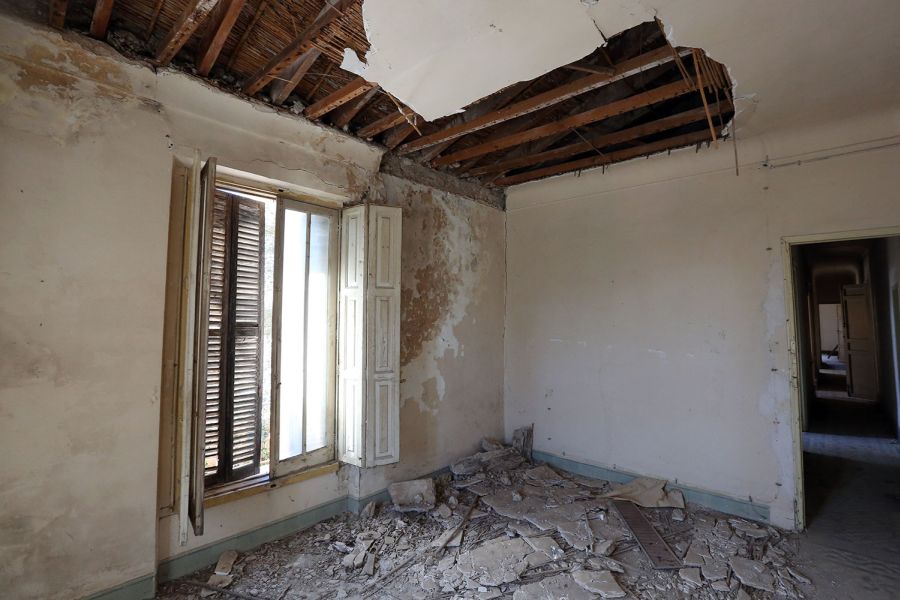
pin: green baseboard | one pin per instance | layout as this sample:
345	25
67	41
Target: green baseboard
725	504
142	588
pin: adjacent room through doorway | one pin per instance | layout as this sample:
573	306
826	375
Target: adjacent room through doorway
847	316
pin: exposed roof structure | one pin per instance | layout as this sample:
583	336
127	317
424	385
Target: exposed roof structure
635	96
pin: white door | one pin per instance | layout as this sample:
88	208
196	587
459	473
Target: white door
860	337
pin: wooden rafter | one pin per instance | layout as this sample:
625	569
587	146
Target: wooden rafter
339	97
606	159
221	21
599	141
193	15
342	116
384	123
283	86
489	104
56	13
589	68
549	98
398	134
332	10
100	19
665	92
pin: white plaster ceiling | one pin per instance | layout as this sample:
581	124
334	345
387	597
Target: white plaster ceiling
793	61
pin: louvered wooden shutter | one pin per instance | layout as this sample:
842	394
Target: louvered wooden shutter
245	368
233	373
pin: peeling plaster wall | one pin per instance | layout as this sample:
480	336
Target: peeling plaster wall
647	328
451	352
90	140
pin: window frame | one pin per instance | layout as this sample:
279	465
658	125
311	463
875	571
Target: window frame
280	467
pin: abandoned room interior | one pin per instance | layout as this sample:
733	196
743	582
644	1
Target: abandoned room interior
307	299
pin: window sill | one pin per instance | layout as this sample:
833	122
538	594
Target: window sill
261	484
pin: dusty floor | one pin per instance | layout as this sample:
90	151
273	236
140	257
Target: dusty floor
532	533
851	548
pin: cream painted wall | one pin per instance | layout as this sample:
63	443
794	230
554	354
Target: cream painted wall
646	321
90	141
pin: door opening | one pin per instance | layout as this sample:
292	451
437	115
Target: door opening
846	345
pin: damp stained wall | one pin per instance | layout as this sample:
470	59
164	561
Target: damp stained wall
91	142
646	327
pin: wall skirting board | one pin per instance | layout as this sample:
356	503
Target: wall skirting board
141	588
725	504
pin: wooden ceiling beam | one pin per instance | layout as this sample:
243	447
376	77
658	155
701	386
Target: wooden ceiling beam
339	97
549	98
398	134
221	22
665	92
332	10
586	67
56	13
283	86
193	15
342	116
493	102
606	159
602	140
100	19
384	123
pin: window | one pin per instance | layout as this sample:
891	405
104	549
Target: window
272	274
251	428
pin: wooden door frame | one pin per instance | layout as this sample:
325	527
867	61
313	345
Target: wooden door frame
793	332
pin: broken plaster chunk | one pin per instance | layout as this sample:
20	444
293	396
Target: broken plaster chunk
369	511
412	496
691	575
444	511
553	588
523	441
752	573
599	582
496	562
544	474
489	444
714	570
648	492
678	515
742	595
369	567
720	585
697	552
226	561
467	466
800	577
547	545
451	538
218	580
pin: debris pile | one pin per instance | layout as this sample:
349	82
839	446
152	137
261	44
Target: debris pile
500	526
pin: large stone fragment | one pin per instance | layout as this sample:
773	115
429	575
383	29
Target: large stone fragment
412	496
554	588
523	441
599	582
752	573
495	562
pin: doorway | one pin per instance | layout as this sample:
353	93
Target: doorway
847	345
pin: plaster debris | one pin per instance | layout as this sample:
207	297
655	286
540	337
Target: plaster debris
599	582
523	441
226	561
412	496
561	539
648	492
496	562
752	573
553	588
691	575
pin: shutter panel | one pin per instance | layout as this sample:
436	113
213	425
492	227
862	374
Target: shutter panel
215	345
351	335
201	362
246	337
383	336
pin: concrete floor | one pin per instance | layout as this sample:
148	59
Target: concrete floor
851	548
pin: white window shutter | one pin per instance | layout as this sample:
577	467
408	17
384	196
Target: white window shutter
383	336
351	337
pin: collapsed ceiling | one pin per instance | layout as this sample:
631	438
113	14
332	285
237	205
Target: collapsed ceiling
632	96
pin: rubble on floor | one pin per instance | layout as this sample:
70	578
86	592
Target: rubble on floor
500	526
